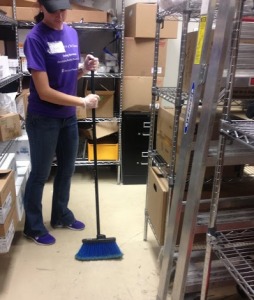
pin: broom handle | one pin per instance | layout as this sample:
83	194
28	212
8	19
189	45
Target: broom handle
95	160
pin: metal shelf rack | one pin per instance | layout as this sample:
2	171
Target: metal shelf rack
175	97
97	75
225	32
6	21
117	114
222	13
9	79
241	131
236	250
80	25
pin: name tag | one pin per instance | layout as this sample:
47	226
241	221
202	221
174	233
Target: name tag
56	47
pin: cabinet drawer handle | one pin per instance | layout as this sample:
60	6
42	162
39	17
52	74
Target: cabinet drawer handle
145	134
144	154
146	124
144	164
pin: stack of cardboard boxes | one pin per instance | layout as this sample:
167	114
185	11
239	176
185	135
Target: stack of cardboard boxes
139	46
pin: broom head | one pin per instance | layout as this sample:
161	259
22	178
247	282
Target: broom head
99	248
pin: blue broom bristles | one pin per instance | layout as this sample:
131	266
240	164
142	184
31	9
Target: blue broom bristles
99	251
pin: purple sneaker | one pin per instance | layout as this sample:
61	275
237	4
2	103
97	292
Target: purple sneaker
44	240
77	225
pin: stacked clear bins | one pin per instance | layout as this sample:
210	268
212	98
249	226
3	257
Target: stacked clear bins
207	82
100	33
6	21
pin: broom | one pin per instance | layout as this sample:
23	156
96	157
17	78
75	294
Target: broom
101	247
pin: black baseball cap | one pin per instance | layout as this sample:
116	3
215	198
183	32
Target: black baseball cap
54	5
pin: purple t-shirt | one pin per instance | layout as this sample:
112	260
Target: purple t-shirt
57	53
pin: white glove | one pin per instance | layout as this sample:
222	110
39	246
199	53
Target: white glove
91	101
91	63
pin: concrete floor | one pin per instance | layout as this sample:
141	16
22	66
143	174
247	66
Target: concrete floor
30	271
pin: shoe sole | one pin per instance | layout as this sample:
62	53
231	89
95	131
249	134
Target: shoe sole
32	239
61	226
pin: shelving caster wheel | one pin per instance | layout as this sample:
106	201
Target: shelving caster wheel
241	292
192	296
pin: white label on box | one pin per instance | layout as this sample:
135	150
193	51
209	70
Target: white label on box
4	210
24	65
159	70
21	50
204	7
5	242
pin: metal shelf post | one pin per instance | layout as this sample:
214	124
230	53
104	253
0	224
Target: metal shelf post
152	116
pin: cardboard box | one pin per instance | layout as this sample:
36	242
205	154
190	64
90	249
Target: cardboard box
164	135
7	193
2	47
139	54
190	55
4	67
28	14
5	209
7	9
21	148
23	3
24	164
7	185
157	202
140	22
24	171
9	127
7	231
23	13
165	130
137	91
105	107
85	3
21	103
9	163
81	113
87	16
102	129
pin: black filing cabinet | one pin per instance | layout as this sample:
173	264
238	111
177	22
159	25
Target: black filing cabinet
135	143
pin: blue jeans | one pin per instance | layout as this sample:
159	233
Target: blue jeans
49	137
